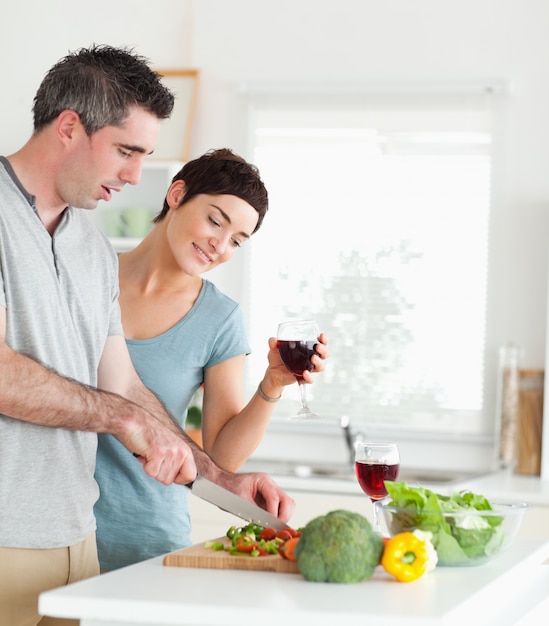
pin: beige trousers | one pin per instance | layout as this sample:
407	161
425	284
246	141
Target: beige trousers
24	574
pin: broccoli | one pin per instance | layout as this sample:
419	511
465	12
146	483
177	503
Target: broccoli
339	547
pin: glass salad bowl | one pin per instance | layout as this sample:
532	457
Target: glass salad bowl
466	528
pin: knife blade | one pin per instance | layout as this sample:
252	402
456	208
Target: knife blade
231	503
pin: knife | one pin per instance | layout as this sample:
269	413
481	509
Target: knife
231	503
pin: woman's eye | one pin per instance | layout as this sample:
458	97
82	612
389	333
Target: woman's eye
214	222
236	243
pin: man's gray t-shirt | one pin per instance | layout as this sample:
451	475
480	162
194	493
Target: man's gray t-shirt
61	299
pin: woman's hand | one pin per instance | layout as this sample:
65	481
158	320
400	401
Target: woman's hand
278	375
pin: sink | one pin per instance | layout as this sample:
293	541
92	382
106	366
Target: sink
343	472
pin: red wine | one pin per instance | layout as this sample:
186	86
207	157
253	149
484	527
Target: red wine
372	476
296	355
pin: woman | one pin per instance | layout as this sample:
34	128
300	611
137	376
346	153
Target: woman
183	332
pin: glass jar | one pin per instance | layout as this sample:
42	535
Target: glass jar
508	404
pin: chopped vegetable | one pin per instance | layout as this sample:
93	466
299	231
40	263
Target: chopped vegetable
285	534
215	545
253	540
245	543
233	530
268	534
406	556
287	549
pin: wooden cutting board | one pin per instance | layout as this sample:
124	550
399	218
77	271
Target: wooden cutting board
200	556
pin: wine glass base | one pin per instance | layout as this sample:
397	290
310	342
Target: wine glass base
305	415
305	418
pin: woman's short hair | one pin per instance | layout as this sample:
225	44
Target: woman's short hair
222	172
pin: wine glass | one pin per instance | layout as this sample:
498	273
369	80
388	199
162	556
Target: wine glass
374	464
296	342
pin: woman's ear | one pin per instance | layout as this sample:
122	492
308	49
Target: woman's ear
176	193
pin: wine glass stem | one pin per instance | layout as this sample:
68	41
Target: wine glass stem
303	396
377	522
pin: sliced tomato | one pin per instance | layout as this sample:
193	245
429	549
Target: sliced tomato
243	545
285	534
287	549
268	534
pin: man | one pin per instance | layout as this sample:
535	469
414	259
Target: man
65	372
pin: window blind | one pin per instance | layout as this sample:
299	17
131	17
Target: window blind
378	228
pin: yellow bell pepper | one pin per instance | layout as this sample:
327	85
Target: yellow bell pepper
407	556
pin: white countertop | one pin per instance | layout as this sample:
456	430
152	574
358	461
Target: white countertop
506	485
150	594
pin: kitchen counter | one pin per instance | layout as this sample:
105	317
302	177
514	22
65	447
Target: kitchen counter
506	592
506	485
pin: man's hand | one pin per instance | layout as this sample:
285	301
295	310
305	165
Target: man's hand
165	455
261	489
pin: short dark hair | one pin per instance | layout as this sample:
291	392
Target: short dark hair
100	83
222	172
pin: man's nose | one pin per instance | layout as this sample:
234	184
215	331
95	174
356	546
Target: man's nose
131	173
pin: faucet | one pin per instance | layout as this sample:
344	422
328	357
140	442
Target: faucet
351	437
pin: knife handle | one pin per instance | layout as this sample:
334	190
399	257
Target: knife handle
188	485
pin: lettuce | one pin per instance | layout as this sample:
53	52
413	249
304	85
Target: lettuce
458	539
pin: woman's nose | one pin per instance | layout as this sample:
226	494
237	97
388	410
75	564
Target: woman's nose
219	244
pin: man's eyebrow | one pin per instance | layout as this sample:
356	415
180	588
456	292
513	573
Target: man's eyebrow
228	219
131	148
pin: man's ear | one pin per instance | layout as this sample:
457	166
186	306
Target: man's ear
67	125
176	193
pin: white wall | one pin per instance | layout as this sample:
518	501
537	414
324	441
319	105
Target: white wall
34	34
343	41
298	41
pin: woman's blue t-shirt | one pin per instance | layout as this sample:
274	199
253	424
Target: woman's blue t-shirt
138	517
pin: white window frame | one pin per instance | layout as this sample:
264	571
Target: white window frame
284	94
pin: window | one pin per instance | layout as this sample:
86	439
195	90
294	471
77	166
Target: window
378	228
